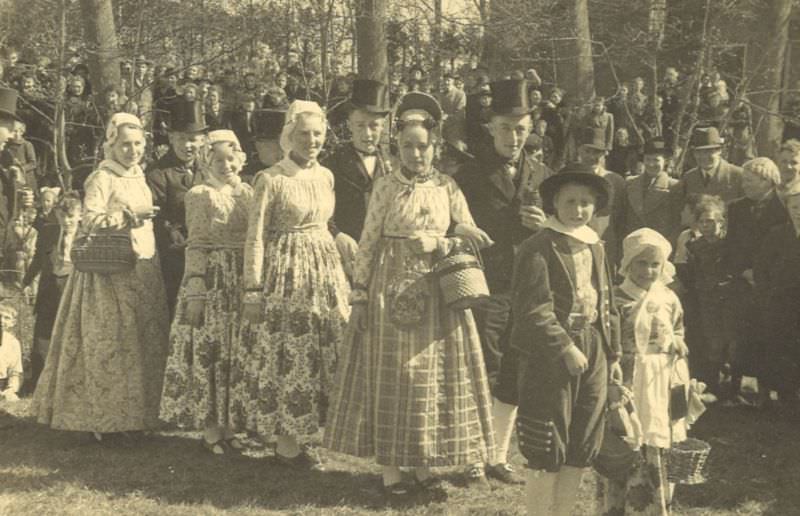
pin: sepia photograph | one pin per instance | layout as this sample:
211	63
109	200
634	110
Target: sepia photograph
400	257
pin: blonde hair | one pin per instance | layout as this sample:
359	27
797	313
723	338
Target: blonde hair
764	168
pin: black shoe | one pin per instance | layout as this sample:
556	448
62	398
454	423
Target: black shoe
475	476
505	473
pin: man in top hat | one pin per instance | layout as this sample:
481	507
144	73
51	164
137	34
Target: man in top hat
169	179
267	123
8	121
608	222
501	186
358	163
651	198
712	175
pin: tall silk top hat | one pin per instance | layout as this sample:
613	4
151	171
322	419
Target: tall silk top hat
268	124
510	97
371	96
705	138
594	138
186	116
8	103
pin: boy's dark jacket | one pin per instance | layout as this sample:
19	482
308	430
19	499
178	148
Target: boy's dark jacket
543	297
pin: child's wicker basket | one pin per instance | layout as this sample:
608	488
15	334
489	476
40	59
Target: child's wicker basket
686	461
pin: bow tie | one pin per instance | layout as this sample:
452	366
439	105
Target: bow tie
367	154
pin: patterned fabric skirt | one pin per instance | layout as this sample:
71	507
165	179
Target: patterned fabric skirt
105	365
204	378
646	493
411	395
294	350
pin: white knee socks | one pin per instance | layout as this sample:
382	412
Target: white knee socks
503	416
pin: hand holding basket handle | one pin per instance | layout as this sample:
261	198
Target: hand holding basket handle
478	236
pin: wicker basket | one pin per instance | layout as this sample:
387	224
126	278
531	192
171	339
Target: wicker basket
686	461
103	251
461	277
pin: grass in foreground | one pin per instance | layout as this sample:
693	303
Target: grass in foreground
754	469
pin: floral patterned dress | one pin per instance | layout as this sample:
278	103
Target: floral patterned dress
204	379
292	260
649	370
410	394
105	366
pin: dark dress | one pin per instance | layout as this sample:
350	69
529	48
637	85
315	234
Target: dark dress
561	417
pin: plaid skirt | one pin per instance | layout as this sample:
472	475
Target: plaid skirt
411	396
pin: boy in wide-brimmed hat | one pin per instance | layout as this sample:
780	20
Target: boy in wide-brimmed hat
501	186
566	333
169	179
357	164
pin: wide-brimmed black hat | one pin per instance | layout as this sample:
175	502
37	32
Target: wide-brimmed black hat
655	146
705	138
186	116
8	103
572	174
421	101
510	98
594	138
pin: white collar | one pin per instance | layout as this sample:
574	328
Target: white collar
116	168
226	188
583	234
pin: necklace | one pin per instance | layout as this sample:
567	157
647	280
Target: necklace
417	178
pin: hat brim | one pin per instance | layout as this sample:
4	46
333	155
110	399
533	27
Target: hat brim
189	130
602	148
351	106
701	147
9	114
550	187
518	111
423	101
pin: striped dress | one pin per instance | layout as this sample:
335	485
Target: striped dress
410	395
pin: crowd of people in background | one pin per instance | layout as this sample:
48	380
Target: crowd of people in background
286	244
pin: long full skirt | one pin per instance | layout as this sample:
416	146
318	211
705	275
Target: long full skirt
411	395
105	366
294	350
204	379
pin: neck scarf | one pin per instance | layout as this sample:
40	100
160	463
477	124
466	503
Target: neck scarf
583	234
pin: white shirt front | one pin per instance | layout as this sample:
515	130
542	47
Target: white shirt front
370	162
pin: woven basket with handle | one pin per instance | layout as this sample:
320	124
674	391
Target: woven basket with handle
103	251
461	276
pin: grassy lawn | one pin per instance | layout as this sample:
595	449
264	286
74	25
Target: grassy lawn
754	469
754	466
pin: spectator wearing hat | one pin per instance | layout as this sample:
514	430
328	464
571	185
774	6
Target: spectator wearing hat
651	199
712	175
170	178
553	112
607	222
357	164
453	100
214	113
477	114
501	186
740	146
8	117
268	124
566	332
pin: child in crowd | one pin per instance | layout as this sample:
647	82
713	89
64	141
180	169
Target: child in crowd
10	355
48	198
566	331
51	265
653	362
706	280
204	379
20	245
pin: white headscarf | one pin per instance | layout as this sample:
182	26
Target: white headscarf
297	108
639	240
221	136
112	129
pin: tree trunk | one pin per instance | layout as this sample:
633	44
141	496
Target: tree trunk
101	36
436	37
766	63
584	66
371	37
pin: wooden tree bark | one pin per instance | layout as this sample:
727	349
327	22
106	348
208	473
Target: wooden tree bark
371	40
766	63
101	37
436	73
584	66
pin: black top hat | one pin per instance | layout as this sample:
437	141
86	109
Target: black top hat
186	116
655	146
422	101
571	174
268	124
594	138
705	138
371	96
8	103
510	97
275	101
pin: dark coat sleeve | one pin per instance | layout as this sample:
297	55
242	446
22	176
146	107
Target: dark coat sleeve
536	329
